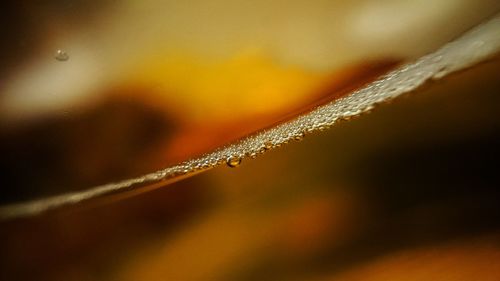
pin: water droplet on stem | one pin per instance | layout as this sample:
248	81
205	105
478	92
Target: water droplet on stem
233	161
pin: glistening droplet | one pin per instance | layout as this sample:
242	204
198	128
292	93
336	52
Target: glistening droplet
299	137
61	55
233	161
268	145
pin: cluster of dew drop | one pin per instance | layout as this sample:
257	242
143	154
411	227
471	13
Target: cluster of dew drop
473	47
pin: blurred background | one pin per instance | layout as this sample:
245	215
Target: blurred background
97	92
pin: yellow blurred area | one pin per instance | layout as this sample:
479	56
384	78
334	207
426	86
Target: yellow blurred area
245	85
216	101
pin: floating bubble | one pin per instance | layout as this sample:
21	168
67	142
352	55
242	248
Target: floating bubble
61	55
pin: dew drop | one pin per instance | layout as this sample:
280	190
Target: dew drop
61	55
268	145
233	161
299	137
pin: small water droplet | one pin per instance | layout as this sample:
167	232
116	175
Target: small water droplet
233	161
299	137
61	55
268	145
